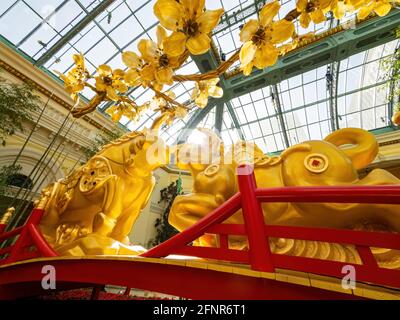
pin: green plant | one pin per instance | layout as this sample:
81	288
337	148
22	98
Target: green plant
100	140
17	102
391	69
164	229
6	172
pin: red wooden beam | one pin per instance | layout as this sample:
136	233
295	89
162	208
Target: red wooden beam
332	194
197	230
363	238
191	283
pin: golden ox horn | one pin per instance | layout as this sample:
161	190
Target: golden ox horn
364	149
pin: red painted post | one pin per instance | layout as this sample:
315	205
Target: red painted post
259	251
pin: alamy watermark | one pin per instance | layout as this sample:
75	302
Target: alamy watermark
49	278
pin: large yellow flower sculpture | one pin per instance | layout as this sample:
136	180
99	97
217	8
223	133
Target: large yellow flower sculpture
380	7
313	10
159	65
205	88
135	64
74	81
190	25
110	81
123	109
260	38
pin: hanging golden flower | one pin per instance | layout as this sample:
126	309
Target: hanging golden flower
158	102
180	112
313	10
134	63
380	7
159	65
260	38
129	110
74	81
340	7
205	88
190	24
110	81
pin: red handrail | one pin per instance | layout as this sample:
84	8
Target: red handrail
28	236
259	256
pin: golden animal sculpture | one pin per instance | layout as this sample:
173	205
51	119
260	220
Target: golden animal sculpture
93	210
331	162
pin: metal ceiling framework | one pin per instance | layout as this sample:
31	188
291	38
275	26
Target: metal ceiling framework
278	107
329	50
73	32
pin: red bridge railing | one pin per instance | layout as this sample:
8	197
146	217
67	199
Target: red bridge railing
27	241
259	256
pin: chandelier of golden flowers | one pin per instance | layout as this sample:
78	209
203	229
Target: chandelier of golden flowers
184	29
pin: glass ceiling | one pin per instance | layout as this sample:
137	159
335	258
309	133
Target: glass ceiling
34	26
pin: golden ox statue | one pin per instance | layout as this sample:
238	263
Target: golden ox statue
93	210
331	162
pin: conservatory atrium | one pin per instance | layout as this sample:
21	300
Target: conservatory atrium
279	75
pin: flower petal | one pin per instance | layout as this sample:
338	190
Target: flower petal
132	77
317	16
104	70
148	72
161	36
304	20
198	44
247	53
148	49
208	20
164	76
382	9
365	11
301	5
116	116
356	4
201	100
112	94
248	30
196	91
169	12
268	12
323	4
100	85
212	82
120	86
339	10
175	44
216	92
173	62
193	8
131	59
281	31
247	69
79	59
118	74
266	56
